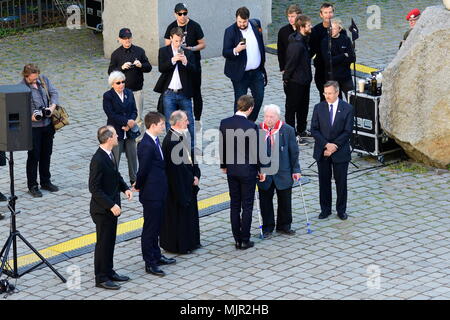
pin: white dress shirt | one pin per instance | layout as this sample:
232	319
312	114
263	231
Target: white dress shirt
154	139
175	83
335	105
253	53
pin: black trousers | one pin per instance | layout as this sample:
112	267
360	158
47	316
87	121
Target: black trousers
297	105
344	87
106	228
153	215
197	97
242	195
284	211
327	168
320	80
40	155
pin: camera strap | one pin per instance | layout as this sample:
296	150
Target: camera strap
44	85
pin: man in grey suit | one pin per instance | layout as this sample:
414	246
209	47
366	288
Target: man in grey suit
281	167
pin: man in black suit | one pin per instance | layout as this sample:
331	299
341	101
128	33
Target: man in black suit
240	162
243	49
151	183
175	83
331	127
105	184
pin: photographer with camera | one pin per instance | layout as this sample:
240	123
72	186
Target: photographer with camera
42	129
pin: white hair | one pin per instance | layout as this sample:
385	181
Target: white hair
274	108
115	76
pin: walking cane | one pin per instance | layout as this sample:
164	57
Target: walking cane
308	224
261	235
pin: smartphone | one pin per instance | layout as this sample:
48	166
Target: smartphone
243	40
180	51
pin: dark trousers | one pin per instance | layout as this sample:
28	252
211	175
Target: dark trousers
242	195
40	155
320	79
197	97
326	168
297	105
106	228
253	80
153	214
284	211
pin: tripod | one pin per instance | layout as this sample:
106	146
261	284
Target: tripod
14	233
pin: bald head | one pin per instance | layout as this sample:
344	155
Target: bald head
178	120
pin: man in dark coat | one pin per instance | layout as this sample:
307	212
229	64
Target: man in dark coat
180	231
105	184
331	127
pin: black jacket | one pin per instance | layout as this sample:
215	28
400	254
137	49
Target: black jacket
134	76
342	55
319	32
282	44
298	60
166	68
105	184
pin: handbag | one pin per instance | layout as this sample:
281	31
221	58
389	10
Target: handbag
60	117
134	132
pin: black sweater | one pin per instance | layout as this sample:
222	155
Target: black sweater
134	76
298	60
340	46
282	44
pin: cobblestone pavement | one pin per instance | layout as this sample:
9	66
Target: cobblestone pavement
393	246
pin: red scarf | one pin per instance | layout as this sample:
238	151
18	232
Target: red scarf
271	132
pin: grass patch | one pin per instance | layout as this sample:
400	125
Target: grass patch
9	32
409	167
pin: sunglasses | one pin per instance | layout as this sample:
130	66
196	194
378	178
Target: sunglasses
120	82
182	13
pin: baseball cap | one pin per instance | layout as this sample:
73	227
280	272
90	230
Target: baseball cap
180	6
413	14
125	33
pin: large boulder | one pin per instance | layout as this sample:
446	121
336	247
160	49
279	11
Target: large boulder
415	105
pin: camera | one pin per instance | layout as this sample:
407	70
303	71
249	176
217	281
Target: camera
42	112
5	287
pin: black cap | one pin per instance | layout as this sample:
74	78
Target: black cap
125	33
180	6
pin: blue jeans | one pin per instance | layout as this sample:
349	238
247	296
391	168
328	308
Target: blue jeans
254	81
178	101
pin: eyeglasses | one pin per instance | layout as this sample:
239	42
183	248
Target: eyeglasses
120	82
182	13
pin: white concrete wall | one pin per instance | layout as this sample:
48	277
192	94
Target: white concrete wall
148	20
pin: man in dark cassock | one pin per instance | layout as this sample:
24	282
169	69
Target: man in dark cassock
180	231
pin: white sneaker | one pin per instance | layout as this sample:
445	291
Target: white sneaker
301	141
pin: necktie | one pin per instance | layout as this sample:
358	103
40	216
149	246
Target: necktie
331	114
269	144
159	147
111	156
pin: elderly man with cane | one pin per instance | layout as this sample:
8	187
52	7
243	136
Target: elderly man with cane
282	170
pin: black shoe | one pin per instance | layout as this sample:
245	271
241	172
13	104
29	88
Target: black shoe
289	232
267	235
154	270
246	245
163	260
118	278
2	197
301	141
343	216
49	187
35	192
324	215
110	285
2	216
238	245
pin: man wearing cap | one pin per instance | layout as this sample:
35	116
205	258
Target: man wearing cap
193	41
412	18
132	61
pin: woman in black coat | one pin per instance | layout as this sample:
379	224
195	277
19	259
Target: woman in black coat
342	55
120	108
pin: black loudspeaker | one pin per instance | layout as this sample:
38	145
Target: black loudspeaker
15	118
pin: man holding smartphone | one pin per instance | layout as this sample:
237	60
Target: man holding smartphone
132	61
175	83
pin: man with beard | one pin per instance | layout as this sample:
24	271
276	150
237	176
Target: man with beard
297	77
180	231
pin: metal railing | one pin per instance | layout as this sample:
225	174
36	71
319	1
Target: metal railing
30	13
